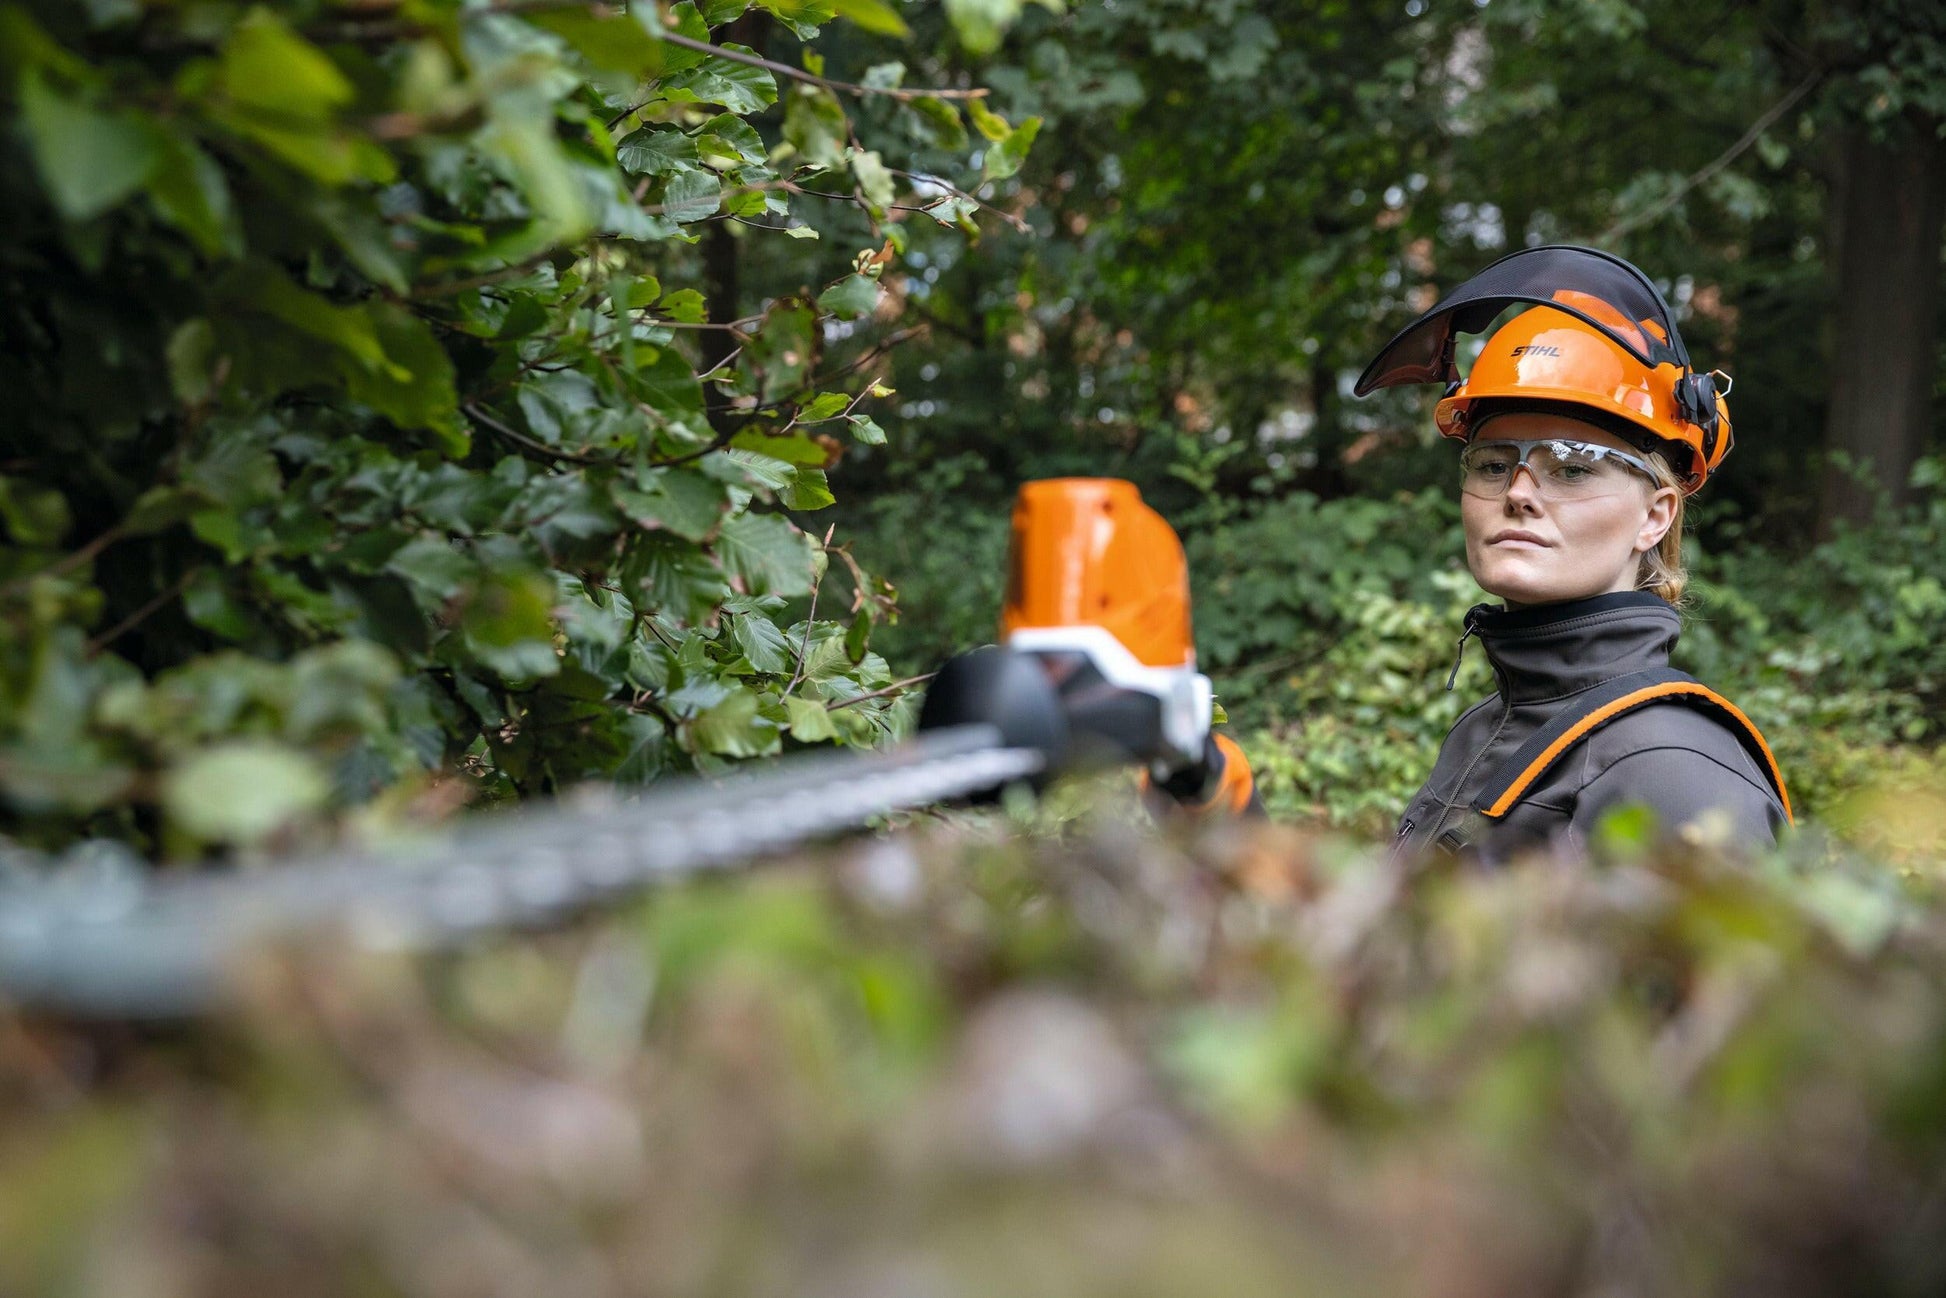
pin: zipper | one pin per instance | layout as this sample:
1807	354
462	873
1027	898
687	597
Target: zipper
1460	655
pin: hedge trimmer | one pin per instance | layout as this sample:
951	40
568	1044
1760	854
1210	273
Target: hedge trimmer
1095	667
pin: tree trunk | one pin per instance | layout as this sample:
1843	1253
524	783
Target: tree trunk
1887	208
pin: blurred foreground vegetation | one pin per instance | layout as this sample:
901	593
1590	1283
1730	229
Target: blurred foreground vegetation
1043	1059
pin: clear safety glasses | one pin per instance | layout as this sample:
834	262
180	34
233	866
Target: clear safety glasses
1562	469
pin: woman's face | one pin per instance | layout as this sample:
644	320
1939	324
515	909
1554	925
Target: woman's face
1530	550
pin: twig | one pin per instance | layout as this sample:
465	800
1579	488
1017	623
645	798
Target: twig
811	617
1018	223
811	78
1722	160
895	687
139	616
483	280
513	435
870	354
67	563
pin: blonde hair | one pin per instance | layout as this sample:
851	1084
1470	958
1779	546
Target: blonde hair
1661	572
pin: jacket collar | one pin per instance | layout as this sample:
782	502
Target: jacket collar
1551	650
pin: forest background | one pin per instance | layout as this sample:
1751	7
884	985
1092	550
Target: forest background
416	406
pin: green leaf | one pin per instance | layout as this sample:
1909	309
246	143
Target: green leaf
683	501
795	448
981	23
872	15
762	643
33	515
733	728
810	722
730	138
755	469
508	625
851	298
737	88
691	195
189	191
414	388
858	635
89	160
815	126
157	508
684	305
613	44
809	491
265	65
989	123
866	430
435	569
823	406
654	151
874	178
939	123
769	555
671	576
243	792
1006	156
803	17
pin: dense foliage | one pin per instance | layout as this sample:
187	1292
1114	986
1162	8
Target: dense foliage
383	403
967	1061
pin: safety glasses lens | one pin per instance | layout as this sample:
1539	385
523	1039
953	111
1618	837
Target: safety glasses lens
1562	470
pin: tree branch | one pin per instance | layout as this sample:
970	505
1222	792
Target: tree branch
1722	160
896	687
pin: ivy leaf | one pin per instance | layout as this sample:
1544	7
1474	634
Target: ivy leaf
769	555
89	160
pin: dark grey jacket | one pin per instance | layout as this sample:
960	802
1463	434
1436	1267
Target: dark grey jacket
1682	764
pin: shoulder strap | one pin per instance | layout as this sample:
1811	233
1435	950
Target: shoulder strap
1595	708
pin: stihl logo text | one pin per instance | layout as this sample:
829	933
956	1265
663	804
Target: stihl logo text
1534	350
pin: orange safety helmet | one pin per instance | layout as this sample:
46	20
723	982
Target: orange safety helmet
1089	552
1544	359
1598	343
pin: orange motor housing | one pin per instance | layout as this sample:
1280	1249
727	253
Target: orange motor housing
1089	552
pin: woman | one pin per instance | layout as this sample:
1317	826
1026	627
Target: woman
1585	428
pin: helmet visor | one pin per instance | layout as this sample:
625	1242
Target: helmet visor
1561	276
